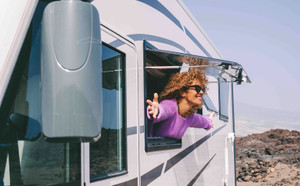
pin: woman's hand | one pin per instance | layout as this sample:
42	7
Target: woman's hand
153	106
211	118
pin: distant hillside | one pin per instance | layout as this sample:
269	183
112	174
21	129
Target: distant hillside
269	158
251	119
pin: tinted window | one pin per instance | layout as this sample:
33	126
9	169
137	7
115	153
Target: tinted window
108	154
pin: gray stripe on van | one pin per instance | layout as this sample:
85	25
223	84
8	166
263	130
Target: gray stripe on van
131	131
199	173
142	129
190	35
146	179
150	176
148	37
178	157
162	9
132	182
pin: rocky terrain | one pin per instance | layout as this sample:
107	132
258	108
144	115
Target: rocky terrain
269	158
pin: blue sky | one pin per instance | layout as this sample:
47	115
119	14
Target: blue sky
262	35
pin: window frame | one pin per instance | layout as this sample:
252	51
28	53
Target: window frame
155	143
124	157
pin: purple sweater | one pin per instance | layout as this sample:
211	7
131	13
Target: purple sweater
169	123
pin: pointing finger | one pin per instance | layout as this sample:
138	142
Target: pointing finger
155	99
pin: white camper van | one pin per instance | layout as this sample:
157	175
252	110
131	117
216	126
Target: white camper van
74	79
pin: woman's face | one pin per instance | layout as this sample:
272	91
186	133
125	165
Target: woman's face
193	97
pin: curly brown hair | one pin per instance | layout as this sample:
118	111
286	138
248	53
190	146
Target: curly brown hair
179	82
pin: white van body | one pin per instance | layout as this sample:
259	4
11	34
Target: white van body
204	158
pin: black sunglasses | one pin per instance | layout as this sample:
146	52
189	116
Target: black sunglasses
198	88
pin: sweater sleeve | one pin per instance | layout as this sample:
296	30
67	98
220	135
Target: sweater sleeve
164	111
199	121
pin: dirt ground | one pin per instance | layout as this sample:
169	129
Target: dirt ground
283	175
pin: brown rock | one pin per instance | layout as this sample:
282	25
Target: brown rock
255	174
268	151
257	170
246	178
259	177
283	180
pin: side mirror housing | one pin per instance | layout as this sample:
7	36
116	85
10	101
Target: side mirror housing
71	72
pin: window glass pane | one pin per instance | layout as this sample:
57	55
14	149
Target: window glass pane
108	154
223	99
208	103
25	157
214	67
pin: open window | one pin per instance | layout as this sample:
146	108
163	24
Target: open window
155	81
160	65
